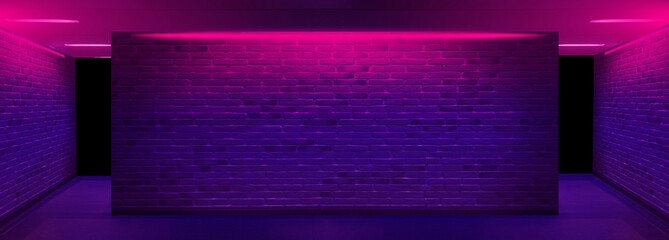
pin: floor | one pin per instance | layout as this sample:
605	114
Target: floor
589	209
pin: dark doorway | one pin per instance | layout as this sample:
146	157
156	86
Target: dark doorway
93	116
576	96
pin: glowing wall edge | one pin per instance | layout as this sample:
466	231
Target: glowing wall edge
42	20
644	37
448	35
33	43
625	20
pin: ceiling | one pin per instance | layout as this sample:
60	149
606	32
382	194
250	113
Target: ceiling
98	18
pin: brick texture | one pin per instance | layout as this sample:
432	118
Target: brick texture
631	119
331	124
37	122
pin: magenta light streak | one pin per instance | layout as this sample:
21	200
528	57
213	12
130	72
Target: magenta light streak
636	40
33	44
87	45
448	35
581	45
624	20
42	20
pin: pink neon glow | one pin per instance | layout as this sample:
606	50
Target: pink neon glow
624	20
87	45
34	44
636	40
581	45
448	35
42	20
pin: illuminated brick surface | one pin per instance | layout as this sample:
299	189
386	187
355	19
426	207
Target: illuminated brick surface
37	121
631	119
358	123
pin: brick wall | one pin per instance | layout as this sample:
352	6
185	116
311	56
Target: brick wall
631	119
37	122
219	125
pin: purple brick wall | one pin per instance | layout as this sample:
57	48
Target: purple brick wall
631	119
439	125
37	122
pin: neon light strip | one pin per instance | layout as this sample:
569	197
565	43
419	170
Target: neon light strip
581	45
33	44
636	40
624	20
87	45
40	20
449	35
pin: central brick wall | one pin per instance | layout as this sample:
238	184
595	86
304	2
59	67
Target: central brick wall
37	123
442	125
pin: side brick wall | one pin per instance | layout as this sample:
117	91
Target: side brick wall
443	125
37	122
631	119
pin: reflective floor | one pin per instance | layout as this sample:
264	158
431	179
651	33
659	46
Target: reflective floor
589	209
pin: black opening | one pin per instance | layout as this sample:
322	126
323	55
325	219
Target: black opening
576	109
93	84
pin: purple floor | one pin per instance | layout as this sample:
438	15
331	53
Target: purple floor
589	209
